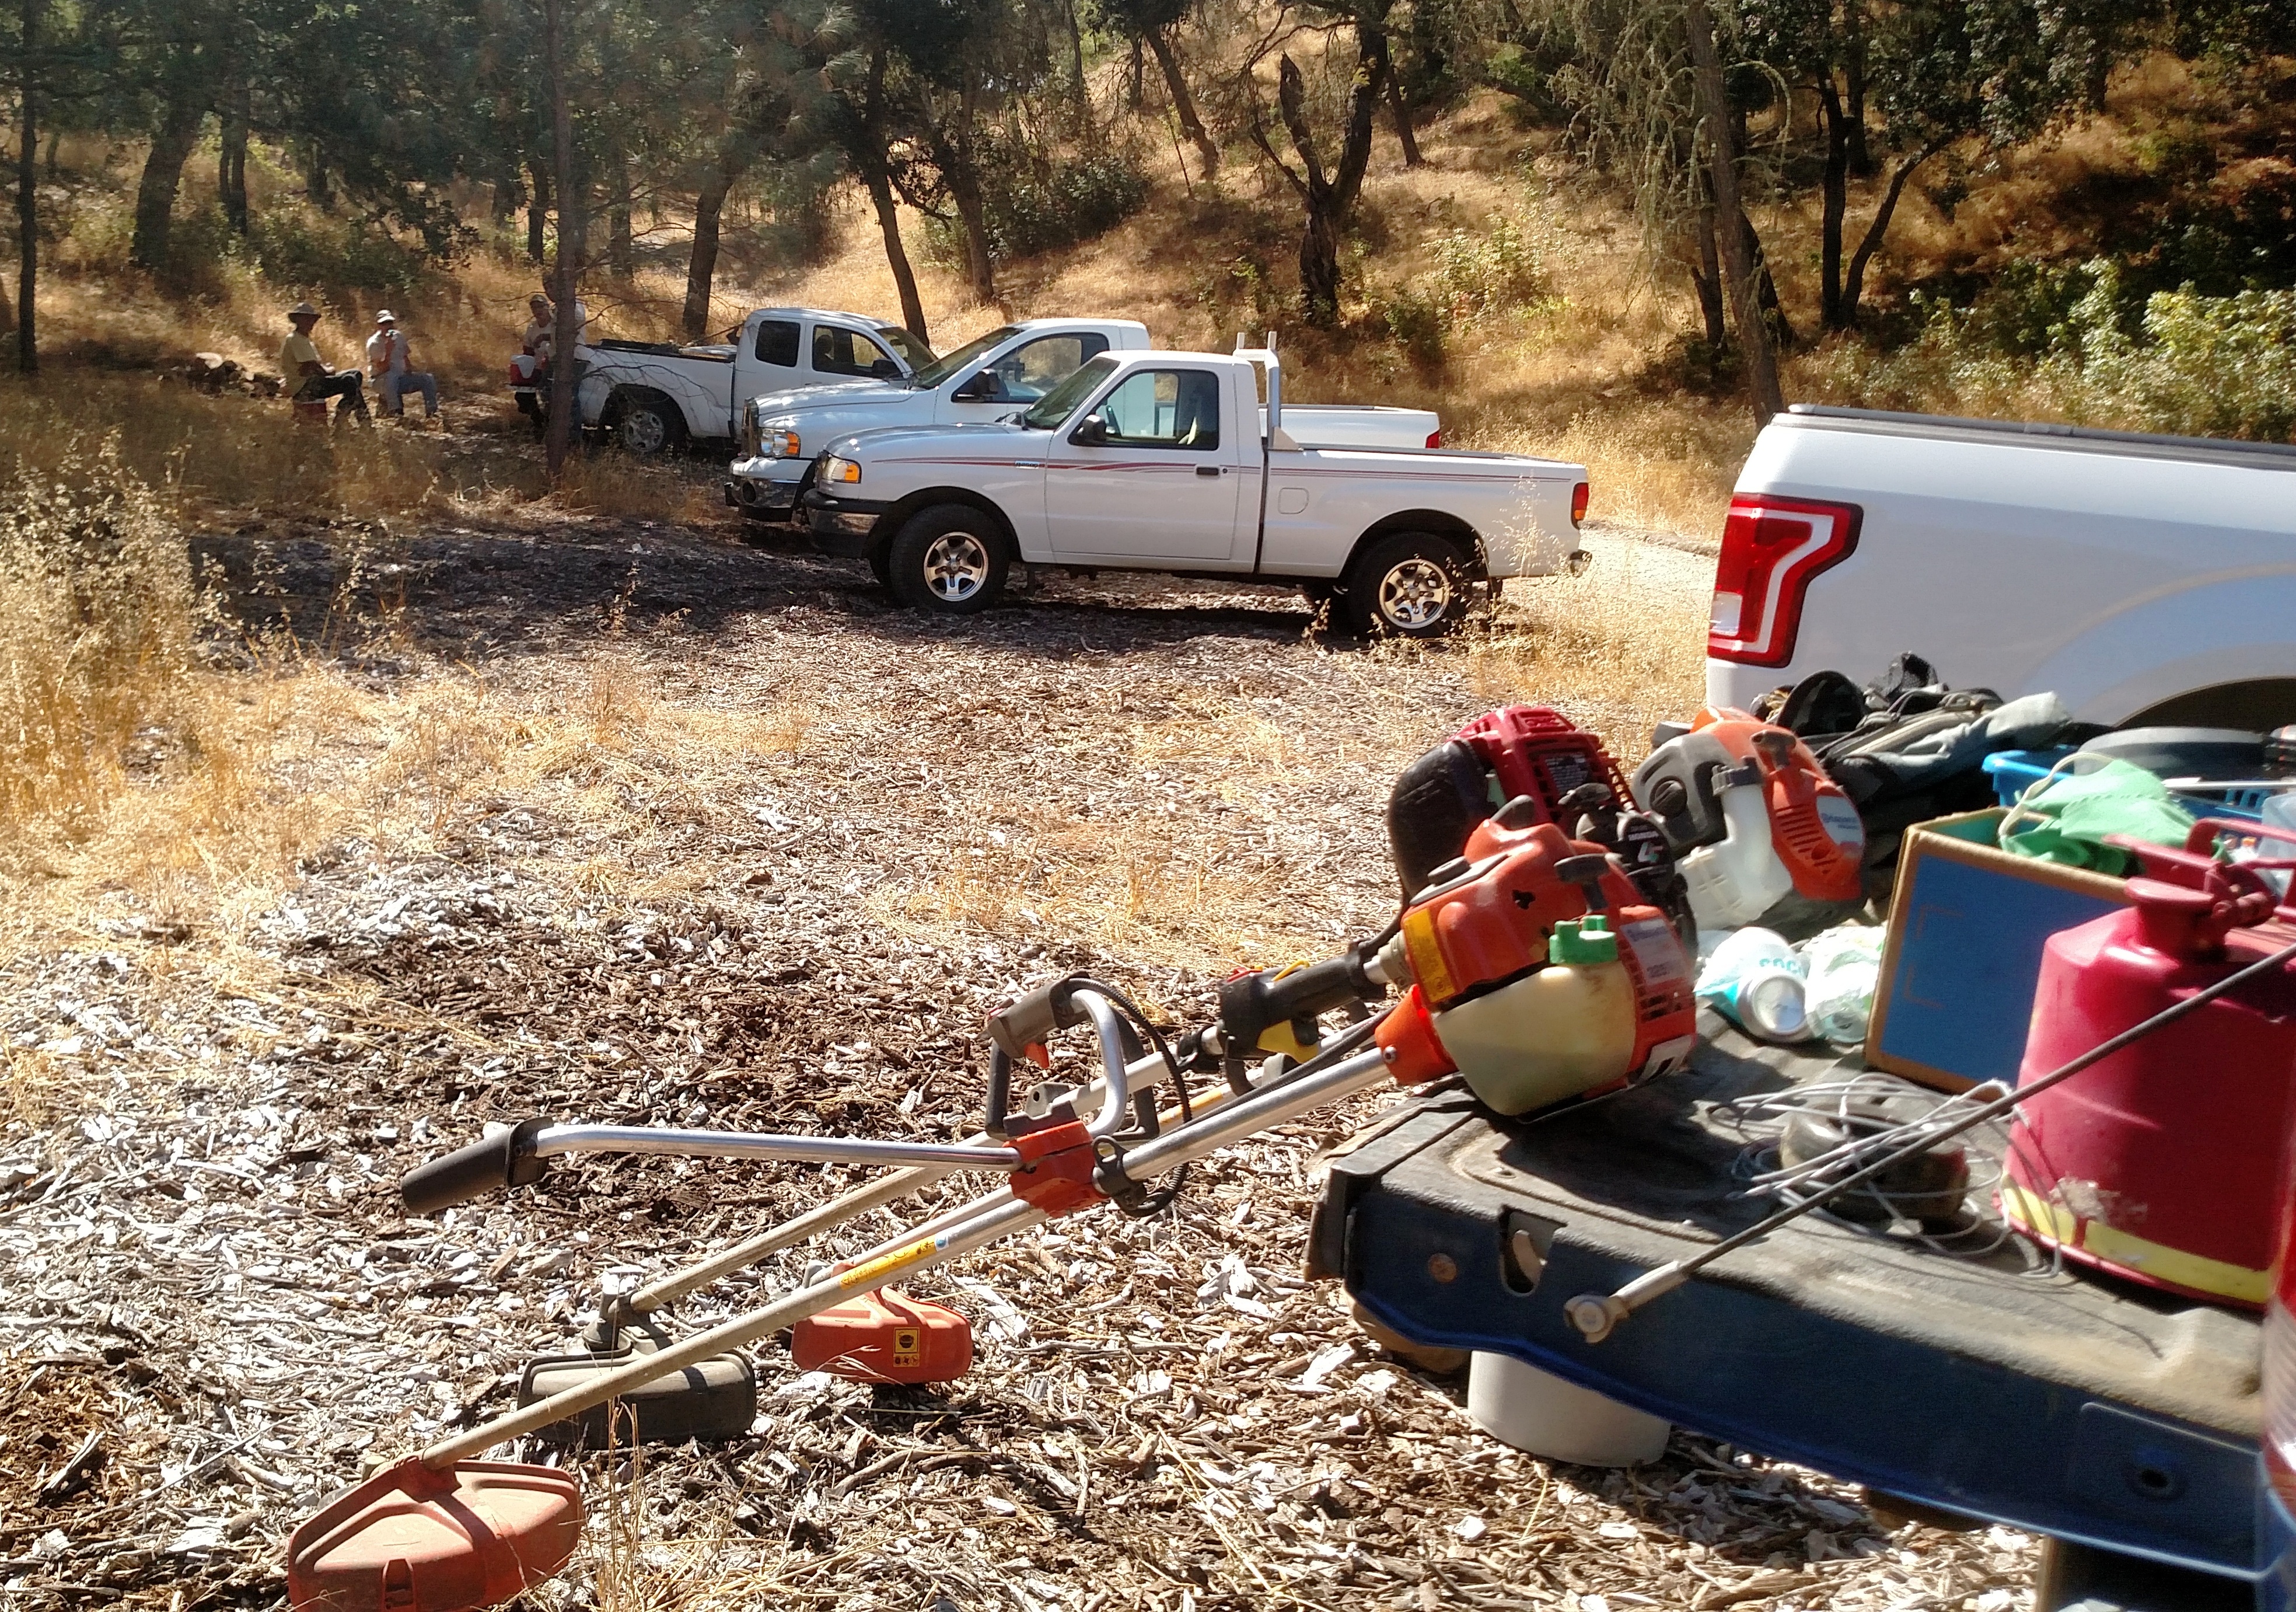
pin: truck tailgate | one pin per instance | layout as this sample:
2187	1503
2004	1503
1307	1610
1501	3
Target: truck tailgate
2106	1414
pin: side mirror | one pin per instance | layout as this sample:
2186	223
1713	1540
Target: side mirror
982	389
885	369
1092	431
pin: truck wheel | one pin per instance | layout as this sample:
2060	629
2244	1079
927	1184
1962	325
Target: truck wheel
1409	585
950	560
881	566
649	423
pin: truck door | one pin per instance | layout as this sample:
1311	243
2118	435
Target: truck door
766	361
1153	480
1017	377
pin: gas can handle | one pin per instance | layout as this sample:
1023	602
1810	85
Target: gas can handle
2202	839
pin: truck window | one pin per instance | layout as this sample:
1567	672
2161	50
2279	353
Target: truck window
847	352
1054	408
777	343
1163	408
916	351
1028	373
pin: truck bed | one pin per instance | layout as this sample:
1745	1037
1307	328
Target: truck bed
2096	1412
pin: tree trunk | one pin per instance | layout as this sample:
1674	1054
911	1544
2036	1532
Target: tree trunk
725	171
508	197
1329	200
563	359
1411	157
1861	152
1765	289
1183	105
537	213
1854	287
876	173
1833	188
972	213
163	175
27	200
55	160
1737	262
896	256
231	160
621	247
1706	277
1076	88
317	185
1135	75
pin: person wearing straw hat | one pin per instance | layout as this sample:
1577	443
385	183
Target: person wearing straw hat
299	355
393	375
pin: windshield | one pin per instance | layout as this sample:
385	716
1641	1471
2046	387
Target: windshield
916	351
1058	404
962	359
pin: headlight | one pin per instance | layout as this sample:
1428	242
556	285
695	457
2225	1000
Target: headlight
834	469
780	444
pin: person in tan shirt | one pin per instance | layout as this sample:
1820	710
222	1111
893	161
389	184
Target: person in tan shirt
308	375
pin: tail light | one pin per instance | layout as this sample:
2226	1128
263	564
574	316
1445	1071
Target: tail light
1579	504
1771	547
1435	438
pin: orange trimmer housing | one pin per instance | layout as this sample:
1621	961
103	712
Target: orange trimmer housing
885	1336
1814	828
1491	923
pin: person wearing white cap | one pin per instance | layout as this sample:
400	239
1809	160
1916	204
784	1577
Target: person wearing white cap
394	376
298	356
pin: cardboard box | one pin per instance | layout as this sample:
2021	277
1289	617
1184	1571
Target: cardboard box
1963	952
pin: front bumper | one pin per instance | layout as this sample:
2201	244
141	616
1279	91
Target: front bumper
839	526
771	499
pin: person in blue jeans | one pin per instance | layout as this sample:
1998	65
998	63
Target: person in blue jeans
394	375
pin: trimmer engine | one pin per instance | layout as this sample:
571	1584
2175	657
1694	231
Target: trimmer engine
1752	816
1560	773
1537	970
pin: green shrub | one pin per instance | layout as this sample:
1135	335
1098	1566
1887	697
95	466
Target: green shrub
1035	204
297	246
1493	272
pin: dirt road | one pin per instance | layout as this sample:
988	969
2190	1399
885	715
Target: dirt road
636	824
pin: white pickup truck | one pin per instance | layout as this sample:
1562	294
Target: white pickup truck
1167	461
993	377
655	396
2145	579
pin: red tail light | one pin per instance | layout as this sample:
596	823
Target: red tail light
1435	438
1579	504
1771	547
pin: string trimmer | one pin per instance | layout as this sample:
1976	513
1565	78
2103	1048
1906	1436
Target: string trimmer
1526	924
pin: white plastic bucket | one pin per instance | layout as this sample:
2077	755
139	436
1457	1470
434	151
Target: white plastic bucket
1540	1412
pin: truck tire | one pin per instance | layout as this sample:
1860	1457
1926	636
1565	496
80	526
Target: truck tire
949	559
646	423
1408	584
881	566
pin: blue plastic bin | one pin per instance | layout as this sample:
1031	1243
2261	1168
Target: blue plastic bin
2015	771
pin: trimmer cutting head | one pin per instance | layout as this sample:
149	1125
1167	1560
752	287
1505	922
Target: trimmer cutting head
410	1539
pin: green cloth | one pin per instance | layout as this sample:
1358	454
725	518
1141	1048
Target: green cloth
2079	810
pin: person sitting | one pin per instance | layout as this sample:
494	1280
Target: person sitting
298	356
393	374
536	342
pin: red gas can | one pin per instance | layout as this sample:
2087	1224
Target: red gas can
2161	1163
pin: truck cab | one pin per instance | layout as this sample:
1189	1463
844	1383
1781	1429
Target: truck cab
657	396
988	379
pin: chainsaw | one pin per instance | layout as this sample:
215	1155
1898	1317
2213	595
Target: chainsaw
1526	937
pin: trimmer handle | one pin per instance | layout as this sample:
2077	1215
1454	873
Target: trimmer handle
506	1159
1024	1030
